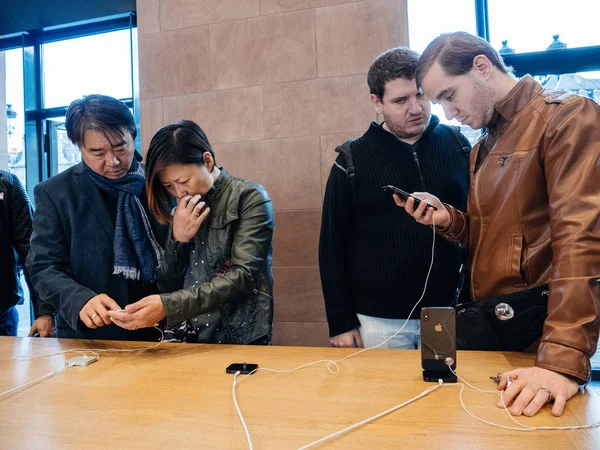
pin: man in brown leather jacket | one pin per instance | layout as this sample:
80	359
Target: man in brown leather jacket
533	214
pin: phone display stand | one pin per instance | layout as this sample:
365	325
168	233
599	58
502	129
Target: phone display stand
433	376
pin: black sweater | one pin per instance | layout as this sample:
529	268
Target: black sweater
373	257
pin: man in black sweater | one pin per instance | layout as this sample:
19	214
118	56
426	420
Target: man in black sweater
373	258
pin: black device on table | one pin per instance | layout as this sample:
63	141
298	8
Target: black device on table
438	343
243	368
404	195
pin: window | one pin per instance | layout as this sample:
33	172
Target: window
15	117
104	66
56	66
15	113
67	154
586	84
426	21
98	64
529	26
45	71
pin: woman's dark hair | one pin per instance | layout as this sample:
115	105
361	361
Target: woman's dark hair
101	113
182	142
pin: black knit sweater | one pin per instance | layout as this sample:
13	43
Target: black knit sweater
373	257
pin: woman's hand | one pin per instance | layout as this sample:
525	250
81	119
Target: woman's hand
142	314
425	217
188	217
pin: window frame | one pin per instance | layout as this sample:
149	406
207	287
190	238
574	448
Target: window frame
545	62
38	152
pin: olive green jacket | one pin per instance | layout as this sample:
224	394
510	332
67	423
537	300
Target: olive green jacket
236	241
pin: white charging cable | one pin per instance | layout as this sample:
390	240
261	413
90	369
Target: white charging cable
31	383
378	416
86	360
522	426
333	365
95	351
239	412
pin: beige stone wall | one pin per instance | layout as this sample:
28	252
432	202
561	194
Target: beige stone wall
276	85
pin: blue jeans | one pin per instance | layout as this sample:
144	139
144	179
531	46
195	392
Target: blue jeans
375	330
9	322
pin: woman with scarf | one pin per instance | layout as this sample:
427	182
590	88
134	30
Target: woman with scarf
216	274
94	246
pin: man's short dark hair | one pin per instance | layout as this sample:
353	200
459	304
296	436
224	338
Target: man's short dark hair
399	62
455	53
101	113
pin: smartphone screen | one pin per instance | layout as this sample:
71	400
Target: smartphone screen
404	195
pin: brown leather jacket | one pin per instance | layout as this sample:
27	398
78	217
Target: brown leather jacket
533	216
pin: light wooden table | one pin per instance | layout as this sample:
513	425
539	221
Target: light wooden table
179	396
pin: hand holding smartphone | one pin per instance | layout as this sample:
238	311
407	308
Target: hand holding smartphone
404	195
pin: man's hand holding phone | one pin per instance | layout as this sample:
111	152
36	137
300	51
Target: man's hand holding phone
423	212
405	195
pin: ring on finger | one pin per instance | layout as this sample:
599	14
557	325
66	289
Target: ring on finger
547	392
94	316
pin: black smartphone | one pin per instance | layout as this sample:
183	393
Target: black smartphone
404	195
243	368
438	343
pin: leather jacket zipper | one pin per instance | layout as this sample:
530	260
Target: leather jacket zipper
476	194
